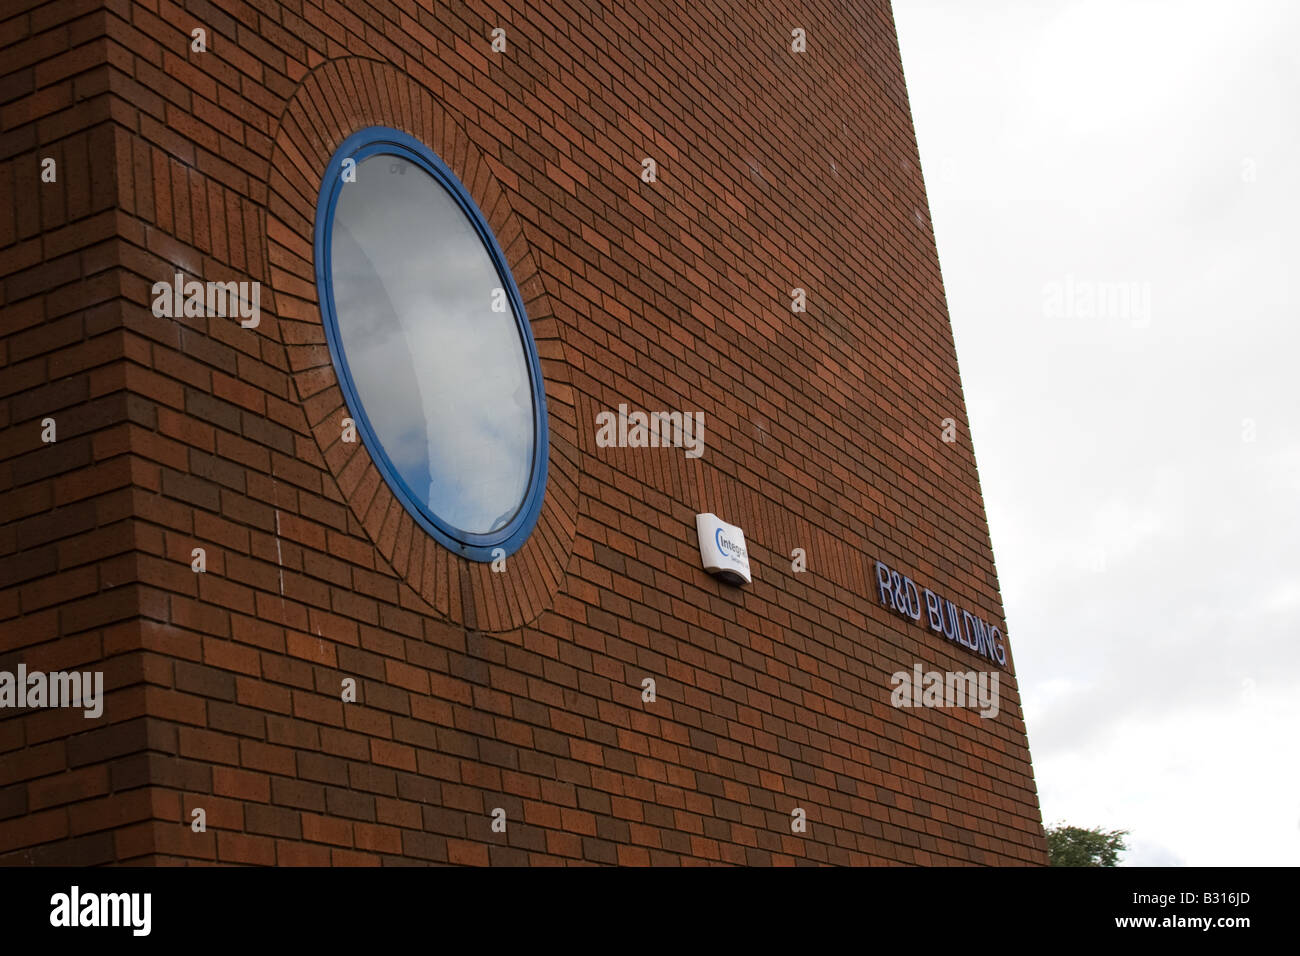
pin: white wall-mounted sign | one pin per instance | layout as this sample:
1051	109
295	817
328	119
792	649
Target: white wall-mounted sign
722	548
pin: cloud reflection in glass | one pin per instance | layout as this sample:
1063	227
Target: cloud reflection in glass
444	379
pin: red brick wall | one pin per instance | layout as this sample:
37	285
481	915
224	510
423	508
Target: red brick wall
477	690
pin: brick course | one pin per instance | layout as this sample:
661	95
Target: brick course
478	690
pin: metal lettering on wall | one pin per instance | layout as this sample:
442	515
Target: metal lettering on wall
900	594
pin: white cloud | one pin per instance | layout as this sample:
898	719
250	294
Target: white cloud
1142	479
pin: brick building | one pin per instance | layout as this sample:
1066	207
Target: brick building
715	208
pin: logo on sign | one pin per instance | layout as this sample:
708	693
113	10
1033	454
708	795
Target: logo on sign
728	547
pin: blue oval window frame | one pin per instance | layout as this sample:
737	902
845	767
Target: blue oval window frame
384	140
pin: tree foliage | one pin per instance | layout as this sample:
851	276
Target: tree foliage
1077	846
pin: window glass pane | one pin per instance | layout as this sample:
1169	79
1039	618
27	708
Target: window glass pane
443	378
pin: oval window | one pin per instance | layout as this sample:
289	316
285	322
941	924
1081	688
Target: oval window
433	349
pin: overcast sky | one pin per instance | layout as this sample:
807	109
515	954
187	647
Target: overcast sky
1115	186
